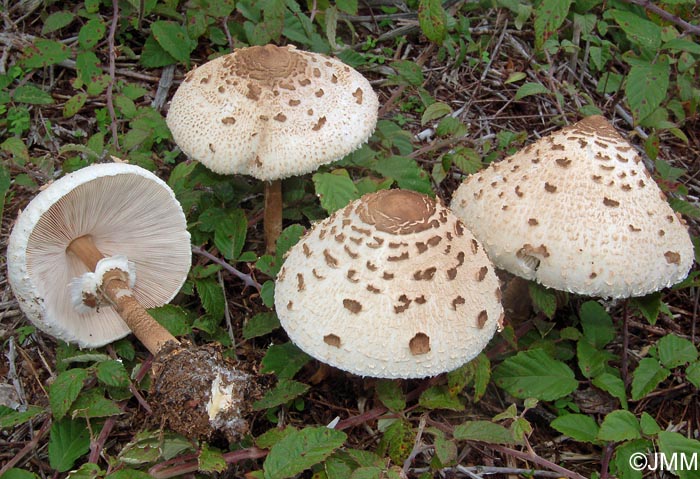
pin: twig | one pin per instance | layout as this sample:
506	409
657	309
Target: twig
417	448
487	470
112	73
538	460
28	447
246	278
176	467
655	9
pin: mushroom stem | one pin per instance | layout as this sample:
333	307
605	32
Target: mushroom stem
143	325
272	220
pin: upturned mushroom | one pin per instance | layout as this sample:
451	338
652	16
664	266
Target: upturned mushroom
272	112
392	286
578	211
90	252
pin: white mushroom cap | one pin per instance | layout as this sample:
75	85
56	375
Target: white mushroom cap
127	211
578	211
391	286
272	112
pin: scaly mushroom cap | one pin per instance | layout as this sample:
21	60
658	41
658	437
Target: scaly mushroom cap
391	286
128	211
578	211
272	112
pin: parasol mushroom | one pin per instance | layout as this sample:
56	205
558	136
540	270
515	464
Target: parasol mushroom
272	112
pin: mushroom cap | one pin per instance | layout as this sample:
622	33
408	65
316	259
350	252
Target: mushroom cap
578	211
391	286
128	211
272	112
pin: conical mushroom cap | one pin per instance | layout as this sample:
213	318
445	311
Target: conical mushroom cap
127	211
272	112
578	211
391	286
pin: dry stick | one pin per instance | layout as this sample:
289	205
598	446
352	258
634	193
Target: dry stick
647	5
246	278
176	467
420	61
145	328
537	460
28	447
112	74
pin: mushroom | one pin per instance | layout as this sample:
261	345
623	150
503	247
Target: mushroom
393	285
272	112
578	211
94	249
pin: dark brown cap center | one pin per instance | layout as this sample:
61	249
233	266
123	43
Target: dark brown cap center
398	211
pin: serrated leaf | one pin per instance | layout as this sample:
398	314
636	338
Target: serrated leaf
300	450
529	89
515	77
285	360
260	325
212	297
154	56
335	190
56	21
112	373
65	389
92	404
649	306
347	6
445	449
675	351
485	431
74	104
692	374
230	234
406	172
591	361
10	418
397	441
173	318
619	426
149	446
43	53
390	394
173	39
597	324
5	181
434	111
32	95
624	452
210	459
646	87
432	20
543	299
408	73
69	439
535	374
272	436
439	397
639	30
685	450
646	377
548	17
285	391
648	424
613	385
579	427
91	33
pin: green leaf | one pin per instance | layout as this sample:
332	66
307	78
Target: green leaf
347	6
260	325
397	441
597	324
439	397
335	190
485	431
529	89
300	450
675	351
230	234
211	459
15	473
285	360
432	20
112	373
69	439
646	377
406	172
685	450
212	297
10	418
692	374
74	104
5	182
65	389
623	459
644	33
579	427
543	299
613	385
285	391
591	361
173	318
434	111
649	306
43	53
91	33
619	425
445	449
646	87
92	404
408	73
154	56
149	446
390	394
173	39
31	94
56	21
648	424
535	374
549	16
288	238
